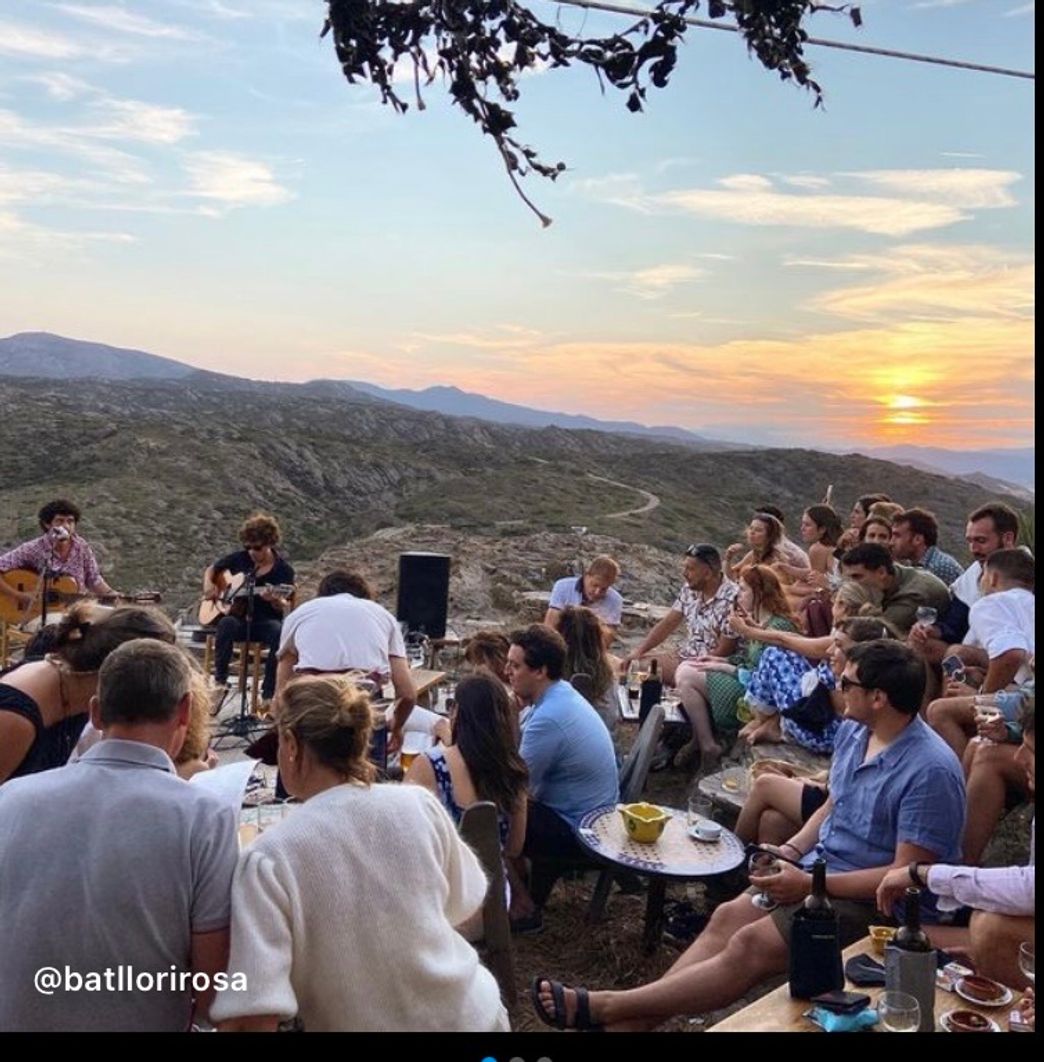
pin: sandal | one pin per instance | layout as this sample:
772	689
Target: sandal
557	1020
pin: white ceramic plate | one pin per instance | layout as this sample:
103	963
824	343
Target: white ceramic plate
1000	1001
944	1023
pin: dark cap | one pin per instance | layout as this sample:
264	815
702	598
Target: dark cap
705	552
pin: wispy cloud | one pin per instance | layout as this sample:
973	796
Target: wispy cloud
135	120
1022	9
24	41
232	180
36	246
917	200
61	86
117	19
653	282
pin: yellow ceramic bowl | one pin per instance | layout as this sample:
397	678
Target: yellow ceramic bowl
644	822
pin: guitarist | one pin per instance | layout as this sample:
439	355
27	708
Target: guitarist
259	535
60	550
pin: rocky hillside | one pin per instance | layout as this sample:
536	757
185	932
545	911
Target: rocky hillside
166	470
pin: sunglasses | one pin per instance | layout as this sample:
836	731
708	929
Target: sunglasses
254	547
705	553
848	684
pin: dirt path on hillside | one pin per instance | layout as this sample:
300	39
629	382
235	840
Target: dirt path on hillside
652	501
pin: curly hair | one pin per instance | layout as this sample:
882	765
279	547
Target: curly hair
261	529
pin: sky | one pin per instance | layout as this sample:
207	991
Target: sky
195	178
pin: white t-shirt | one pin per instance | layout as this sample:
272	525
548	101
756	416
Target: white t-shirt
1001	622
342	632
966	586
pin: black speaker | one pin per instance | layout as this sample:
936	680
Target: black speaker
424	592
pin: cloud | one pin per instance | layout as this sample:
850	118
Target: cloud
1022	9
941	3
62	87
33	246
119	20
136	120
973	189
653	282
917	200
24	41
919	280
233	180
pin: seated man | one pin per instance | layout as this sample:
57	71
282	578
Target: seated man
1002	897
905	589
570	757
114	863
915	537
344	629
59	550
704	603
990	528
896	797
594	590
1000	638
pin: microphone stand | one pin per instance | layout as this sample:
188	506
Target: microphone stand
242	726
48	576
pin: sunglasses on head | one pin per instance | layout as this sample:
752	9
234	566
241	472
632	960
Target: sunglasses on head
703	552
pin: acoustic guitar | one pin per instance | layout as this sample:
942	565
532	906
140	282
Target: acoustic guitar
62	591
232	595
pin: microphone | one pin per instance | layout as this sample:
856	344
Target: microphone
60	534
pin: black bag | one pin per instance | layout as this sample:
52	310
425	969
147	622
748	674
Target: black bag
814	712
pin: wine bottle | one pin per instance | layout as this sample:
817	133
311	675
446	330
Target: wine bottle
815	942
650	692
910	961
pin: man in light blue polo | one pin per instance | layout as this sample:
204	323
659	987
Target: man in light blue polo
569	753
594	590
896	799
115	873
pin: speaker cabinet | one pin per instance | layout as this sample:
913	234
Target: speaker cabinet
424	592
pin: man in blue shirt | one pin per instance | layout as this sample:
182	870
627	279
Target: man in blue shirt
896	798
594	590
569	753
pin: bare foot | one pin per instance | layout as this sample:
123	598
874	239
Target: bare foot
710	760
768	732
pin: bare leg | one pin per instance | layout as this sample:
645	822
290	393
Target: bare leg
521	902
953	719
750	955
993	769
769	792
995	940
692	688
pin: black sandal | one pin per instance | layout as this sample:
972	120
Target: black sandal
557	1020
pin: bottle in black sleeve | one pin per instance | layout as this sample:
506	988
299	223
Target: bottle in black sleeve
650	692
815	942
910	961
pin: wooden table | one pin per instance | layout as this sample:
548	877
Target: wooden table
424	680
674	857
777	1012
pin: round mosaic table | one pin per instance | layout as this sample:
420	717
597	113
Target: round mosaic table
674	857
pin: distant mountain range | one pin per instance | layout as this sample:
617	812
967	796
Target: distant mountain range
48	356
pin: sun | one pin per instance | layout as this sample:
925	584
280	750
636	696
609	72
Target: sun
905	402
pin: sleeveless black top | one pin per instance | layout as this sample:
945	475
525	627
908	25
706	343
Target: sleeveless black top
54	744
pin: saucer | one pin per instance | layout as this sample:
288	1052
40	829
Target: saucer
1000	1001
694	833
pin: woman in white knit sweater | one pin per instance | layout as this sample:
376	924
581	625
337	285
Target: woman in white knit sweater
344	913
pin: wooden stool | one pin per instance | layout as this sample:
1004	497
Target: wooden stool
249	655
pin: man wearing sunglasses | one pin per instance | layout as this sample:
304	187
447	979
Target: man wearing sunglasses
259	535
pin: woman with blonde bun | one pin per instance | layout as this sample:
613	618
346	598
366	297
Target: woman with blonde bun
343	913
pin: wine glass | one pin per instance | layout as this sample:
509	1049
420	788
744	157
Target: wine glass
899	1012
986	712
762	864
926	616
1026	959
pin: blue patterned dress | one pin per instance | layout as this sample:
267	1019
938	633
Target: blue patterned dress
776	684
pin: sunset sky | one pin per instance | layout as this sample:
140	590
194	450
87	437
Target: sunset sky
196	179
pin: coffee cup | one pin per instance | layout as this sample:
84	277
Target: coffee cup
707	831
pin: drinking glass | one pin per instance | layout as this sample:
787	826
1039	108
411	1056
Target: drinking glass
986	712
899	1012
1026	959
762	864
700	807
926	616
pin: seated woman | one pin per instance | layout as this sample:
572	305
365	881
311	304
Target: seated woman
860	511
586	655
44	704
710	688
480	762
764	534
343	914
807	712
876	529
779	804
820	530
